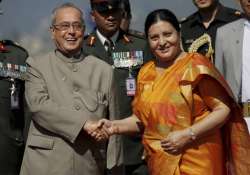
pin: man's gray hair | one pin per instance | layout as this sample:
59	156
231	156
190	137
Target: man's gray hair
65	5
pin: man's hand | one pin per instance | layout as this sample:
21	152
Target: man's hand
96	130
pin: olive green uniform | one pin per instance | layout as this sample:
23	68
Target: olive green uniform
12	59
133	148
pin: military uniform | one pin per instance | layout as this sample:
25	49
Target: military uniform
133	149
12	71
192	27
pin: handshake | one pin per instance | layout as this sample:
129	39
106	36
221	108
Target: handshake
100	130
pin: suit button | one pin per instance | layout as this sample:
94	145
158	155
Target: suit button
63	78
75	69
76	88
77	107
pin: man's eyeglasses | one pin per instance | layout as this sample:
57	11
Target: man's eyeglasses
66	26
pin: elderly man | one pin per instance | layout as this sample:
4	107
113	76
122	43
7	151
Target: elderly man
232	57
67	92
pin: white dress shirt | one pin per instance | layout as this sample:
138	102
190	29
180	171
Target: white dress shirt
246	63
103	38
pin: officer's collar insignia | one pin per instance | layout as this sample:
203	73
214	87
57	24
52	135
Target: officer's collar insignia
127	59
3	48
126	39
91	40
9	70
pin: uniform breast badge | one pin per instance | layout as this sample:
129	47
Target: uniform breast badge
128	60
14	74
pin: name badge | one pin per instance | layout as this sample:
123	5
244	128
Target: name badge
130	86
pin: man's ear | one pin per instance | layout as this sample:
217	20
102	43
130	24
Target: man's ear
52	32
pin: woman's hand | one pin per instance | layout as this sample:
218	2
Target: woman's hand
109	126
176	141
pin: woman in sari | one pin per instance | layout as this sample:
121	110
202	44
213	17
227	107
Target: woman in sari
185	110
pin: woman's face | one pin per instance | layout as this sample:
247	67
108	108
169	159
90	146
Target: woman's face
164	41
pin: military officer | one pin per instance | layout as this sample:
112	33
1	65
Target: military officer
211	14
12	121
12	71
126	53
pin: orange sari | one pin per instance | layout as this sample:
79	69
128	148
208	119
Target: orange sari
168	102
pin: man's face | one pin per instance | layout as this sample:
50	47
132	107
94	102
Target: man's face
67	31
204	4
107	22
245	5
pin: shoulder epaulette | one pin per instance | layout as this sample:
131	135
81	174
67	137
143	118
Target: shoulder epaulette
12	43
2	47
233	12
185	19
182	19
126	38
238	13
91	40
136	33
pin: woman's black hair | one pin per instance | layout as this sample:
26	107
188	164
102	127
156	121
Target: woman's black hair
161	15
